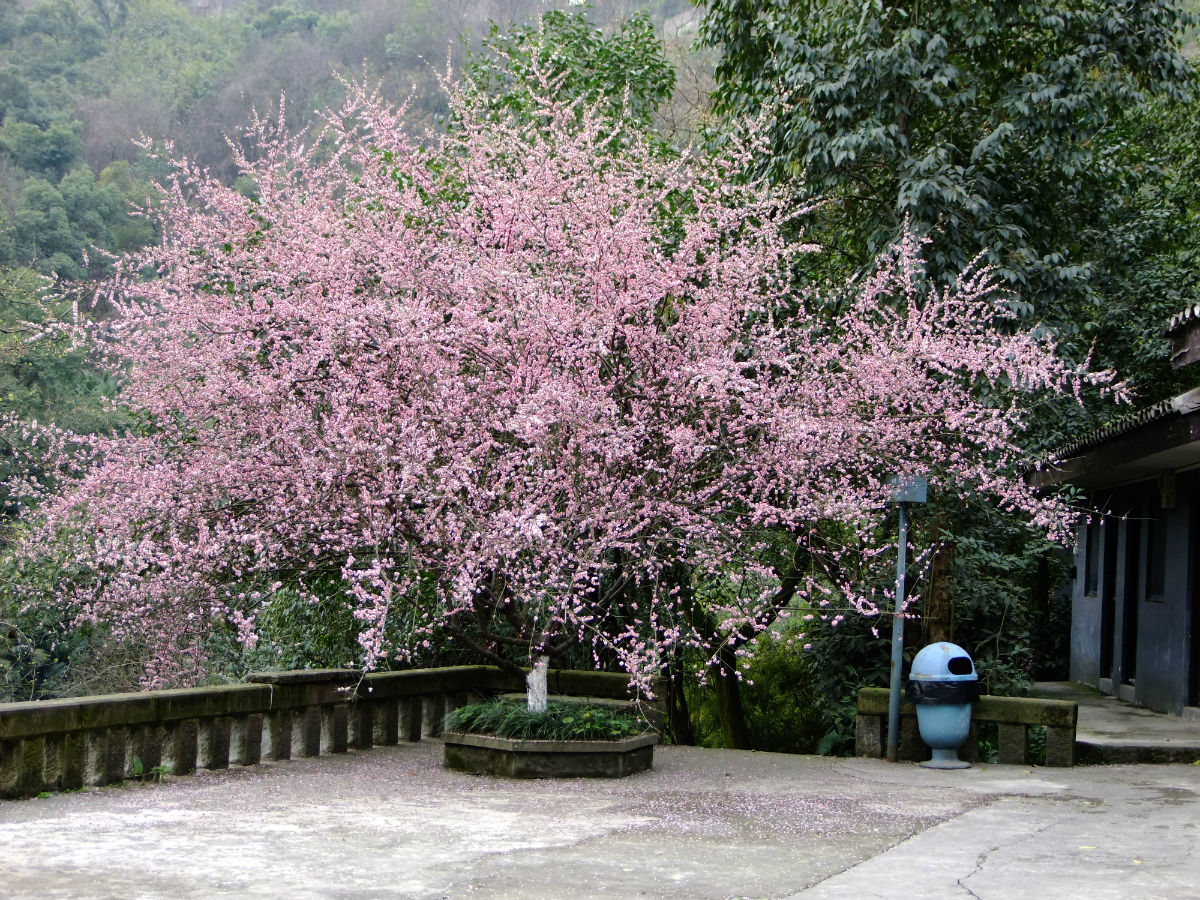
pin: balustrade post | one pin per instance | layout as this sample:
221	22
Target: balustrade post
277	735
143	751
433	712
386	722
1012	744
1060	746
10	770
869	736
179	747
64	761
22	767
52	762
105	756
306	732
360	726
409	710
245	740
213	743
334	728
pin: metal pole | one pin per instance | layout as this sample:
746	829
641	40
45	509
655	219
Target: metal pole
893	751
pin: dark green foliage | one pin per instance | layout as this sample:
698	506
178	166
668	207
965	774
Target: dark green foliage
294	633
993	128
1054	137
786	710
56	34
44	653
280	20
59	229
44	378
313	631
624	74
783	711
1003	609
508	718
949	114
46	375
842	658
1147	236
57	212
39	652
50	150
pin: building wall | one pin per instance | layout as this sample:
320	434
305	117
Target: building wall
1085	621
1162	672
1164	626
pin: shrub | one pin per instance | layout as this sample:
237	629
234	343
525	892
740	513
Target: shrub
512	718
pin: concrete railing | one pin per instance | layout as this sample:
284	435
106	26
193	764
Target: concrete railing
1012	715
54	745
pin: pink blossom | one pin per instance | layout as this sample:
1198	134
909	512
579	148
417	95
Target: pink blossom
507	375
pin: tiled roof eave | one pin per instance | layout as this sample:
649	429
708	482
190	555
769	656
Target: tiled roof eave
1113	429
1187	317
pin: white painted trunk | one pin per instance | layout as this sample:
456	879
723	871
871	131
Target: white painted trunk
535	684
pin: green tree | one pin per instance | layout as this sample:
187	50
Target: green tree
986	126
1053	137
624	73
49	151
47	374
56	35
1146	240
57	229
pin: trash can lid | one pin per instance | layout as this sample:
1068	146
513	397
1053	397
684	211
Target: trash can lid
943	662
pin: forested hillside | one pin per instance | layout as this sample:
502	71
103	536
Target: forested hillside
81	82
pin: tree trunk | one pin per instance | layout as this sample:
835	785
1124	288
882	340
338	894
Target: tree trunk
679	719
937	602
535	683
728	688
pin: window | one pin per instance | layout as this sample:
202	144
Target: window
1156	553
1091	560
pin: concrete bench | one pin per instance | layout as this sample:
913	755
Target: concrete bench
1012	715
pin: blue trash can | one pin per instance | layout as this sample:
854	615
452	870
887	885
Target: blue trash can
942	685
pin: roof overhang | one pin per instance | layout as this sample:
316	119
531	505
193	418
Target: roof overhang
1184	332
1167	443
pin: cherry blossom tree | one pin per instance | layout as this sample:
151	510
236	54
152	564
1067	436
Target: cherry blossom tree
515	386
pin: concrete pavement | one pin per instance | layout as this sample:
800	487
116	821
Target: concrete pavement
390	823
1113	731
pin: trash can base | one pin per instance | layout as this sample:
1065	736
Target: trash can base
945	764
945	759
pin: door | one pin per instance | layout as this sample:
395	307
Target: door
1130	594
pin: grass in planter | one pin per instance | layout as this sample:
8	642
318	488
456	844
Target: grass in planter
560	721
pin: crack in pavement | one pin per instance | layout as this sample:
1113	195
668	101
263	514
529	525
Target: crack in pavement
982	859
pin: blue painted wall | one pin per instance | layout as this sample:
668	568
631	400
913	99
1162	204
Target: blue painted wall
1164	626
1085	622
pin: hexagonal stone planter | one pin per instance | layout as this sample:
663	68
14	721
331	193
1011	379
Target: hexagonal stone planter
483	754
